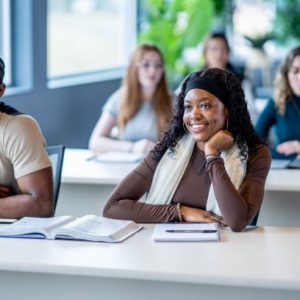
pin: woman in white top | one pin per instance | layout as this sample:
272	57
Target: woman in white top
140	109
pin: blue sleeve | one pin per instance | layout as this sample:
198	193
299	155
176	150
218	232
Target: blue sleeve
266	120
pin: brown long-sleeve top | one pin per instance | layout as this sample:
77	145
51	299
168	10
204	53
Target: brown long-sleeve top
238	207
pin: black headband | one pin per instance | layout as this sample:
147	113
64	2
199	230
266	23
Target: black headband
210	85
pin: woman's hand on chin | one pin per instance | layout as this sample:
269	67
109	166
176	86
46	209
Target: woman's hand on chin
220	141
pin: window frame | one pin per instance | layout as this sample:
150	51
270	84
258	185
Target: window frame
5	39
130	25
28	50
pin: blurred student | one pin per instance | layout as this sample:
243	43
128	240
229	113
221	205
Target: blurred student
26	187
216	52
283	112
140	109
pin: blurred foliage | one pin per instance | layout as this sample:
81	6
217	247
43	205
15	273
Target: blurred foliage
219	6
175	25
287	23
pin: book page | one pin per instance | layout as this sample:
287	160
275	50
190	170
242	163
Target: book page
96	228
188	232
34	227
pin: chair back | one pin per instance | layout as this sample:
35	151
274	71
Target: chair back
254	220
56	156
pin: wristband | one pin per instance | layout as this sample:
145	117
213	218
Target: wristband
211	155
178	207
212	159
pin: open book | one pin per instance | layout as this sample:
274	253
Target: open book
186	232
89	228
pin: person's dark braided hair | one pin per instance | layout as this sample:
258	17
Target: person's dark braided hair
2	67
3	107
239	122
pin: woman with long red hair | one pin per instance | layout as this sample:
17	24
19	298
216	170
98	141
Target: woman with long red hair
140	109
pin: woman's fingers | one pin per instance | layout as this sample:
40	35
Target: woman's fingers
192	214
289	147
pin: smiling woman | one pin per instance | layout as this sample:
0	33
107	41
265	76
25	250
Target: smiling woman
204	115
209	165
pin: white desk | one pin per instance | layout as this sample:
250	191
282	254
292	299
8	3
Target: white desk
86	186
261	264
281	205
285	180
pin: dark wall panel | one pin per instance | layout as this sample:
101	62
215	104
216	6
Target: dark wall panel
66	115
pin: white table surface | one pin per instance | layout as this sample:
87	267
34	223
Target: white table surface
86	186
77	169
265	260
283	180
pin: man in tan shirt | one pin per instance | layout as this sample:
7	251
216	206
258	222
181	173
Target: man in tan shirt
26	187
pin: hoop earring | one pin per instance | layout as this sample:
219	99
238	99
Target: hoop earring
185	129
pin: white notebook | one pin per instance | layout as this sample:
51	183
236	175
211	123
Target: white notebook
88	228
186	232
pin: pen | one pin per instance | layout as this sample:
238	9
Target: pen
91	158
191	231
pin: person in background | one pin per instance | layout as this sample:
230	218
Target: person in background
208	166
216	52
140	108
283	112
26	187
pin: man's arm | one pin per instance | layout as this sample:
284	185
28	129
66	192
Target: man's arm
36	198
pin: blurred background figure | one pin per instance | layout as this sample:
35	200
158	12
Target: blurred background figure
283	112
216	52
140	109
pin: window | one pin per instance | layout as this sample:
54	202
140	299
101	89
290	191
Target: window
89	35
5	38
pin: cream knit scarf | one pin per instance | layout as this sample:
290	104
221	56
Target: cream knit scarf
172	166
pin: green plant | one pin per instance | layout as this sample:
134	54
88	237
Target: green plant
287	22
175	25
